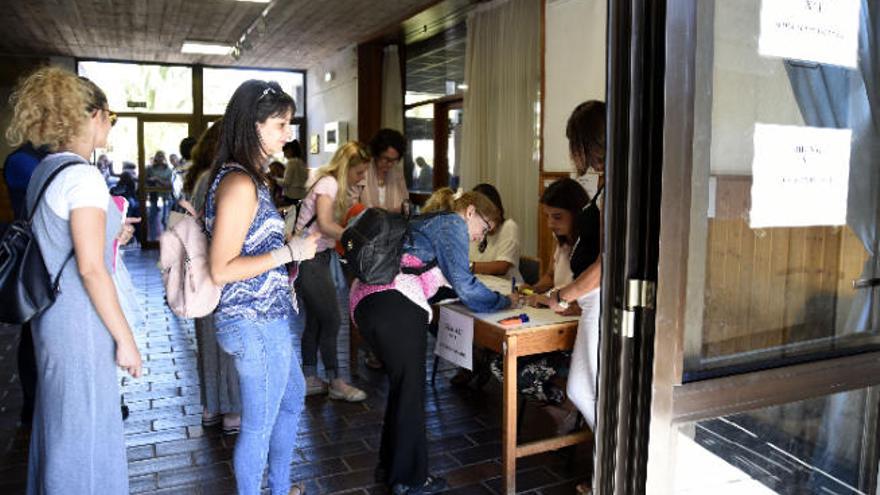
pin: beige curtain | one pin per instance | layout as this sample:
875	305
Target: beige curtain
500	132
392	99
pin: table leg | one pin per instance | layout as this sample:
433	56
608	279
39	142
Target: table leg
508	431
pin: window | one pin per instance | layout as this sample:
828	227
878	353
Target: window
142	88
433	109
218	84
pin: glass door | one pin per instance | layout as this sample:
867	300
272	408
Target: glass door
161	176
744	191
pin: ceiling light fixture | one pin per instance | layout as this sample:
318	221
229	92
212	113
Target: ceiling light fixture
206	48
257	28
255	1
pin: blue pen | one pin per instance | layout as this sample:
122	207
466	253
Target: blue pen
512	285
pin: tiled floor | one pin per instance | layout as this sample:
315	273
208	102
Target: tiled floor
170	452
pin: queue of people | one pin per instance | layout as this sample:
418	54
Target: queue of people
281	280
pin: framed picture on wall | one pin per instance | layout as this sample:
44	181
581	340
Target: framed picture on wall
335	133
314	144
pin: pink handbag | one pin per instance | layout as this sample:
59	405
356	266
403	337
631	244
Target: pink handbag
183	260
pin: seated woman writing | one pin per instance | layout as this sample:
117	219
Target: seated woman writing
498	253
542	377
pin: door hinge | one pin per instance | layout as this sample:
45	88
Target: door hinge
640	294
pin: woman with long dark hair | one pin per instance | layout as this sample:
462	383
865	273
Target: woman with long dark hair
248	254
218	379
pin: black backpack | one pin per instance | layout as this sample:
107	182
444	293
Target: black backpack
373	246
26	287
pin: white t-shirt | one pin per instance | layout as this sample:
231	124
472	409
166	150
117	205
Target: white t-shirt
503	245
77	186
382	190
562	265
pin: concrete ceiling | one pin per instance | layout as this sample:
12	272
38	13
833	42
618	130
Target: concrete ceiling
294	33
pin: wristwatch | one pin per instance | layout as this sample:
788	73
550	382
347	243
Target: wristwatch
562	303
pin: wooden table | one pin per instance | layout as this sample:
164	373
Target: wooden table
512	344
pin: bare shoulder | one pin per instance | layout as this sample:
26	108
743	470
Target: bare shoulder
238	186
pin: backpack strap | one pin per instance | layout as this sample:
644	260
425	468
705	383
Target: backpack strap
39	197
45	186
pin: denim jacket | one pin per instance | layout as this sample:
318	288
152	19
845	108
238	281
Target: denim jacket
445	238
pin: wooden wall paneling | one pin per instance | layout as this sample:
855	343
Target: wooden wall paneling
714	298
796	284
761	291
779	258
742	309
852	257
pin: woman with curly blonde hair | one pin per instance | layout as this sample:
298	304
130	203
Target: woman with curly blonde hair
77	443
322	210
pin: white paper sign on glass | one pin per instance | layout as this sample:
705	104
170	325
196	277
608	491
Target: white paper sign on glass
800	176
455	338
821	31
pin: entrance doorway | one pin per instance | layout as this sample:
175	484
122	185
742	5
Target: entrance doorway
741	299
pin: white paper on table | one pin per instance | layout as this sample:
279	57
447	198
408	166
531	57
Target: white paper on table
455	338
821	31
800	176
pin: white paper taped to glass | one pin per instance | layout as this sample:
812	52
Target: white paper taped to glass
800	176
820	31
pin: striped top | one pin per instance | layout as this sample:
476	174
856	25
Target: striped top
266	296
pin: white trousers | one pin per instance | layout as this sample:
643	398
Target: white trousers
584	370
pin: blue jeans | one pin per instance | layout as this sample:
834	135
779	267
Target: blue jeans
272	399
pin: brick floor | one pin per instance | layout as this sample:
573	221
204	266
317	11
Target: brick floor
170	452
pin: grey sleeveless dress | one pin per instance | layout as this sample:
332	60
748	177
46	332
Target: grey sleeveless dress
77	442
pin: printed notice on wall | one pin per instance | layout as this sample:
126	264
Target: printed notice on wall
821	31
455	338
800	176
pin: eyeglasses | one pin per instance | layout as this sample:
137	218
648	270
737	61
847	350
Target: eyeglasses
112	117
388	160
486	227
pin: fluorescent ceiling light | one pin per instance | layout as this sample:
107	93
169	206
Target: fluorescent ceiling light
205	48
256	1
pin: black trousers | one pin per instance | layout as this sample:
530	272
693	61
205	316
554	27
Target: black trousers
27	373
315	287
396	328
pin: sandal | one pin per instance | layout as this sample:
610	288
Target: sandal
347	393
297	489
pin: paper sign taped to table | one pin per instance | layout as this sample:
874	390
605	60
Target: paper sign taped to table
821	31
800	176
455	338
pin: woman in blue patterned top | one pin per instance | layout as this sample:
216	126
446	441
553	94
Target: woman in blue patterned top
248	254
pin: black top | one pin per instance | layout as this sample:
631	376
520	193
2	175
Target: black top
586	248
